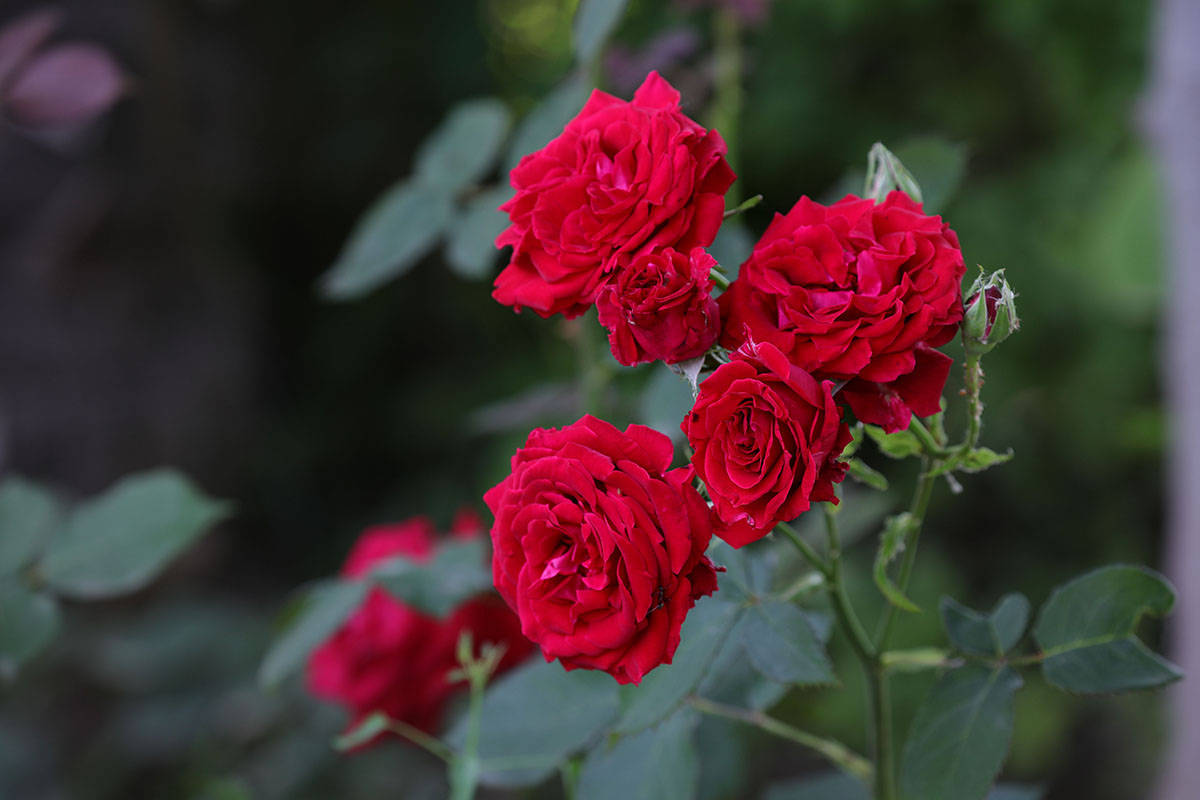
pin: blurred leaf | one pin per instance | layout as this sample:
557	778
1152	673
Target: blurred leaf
224	789
748	569
885	172
991	635
471	247
731	677
28	516
464	146
732	247
858	469
122	539
457	572
783	646
938	165
320	611
960	735
594	23
536	716
665	687
394	234
68	84
547	120
832	786
532	407
1086	631
28	622
856	439
892	542
657	763
900	444
666	400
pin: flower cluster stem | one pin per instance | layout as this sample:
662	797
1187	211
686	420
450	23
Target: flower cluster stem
840	755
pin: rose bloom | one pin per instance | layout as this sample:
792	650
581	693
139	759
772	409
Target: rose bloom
621	178
392	658
660	307
766	438
599	546
856	292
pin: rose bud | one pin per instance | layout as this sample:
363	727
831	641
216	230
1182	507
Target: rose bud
599	546
622	178
660	307
991	315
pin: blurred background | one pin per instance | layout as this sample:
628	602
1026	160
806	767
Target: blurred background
159	254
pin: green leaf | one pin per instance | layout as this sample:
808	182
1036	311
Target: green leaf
938	165
665	687
319	612
28	516
657	763
900	444
471	248
960	735
396	232
464	146
991	635
748	569
858	470
976	460
122	539
1087	631
28	622
783	646
548	118
856	439
534	717
892	542
732	679
457	572
831	786
885	172
594	23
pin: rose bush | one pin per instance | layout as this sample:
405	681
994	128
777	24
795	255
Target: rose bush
392	658
766	438
660	307
622	178
599	546
858	292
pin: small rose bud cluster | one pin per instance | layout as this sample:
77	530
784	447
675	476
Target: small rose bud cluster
839	310
991	315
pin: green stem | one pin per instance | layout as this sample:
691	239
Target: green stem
920	503
916	660
881	713
719	278
593	375
928	443
973	378
805	549
465	776
803	585
840	755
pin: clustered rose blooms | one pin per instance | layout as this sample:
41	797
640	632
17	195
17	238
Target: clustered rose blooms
766	438
660	307
858	292
392	658
621	179
599	546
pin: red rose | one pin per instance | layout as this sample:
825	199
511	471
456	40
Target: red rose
766	437
660	307
392	658
621	178
856	292
599	548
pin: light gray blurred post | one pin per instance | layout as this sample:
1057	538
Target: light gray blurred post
1174	121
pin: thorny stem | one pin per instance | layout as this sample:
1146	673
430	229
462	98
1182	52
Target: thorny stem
973	378
842	756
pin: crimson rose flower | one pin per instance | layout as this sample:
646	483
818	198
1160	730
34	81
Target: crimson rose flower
392	658
766	437
856	292
660	307
621	178
599	546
